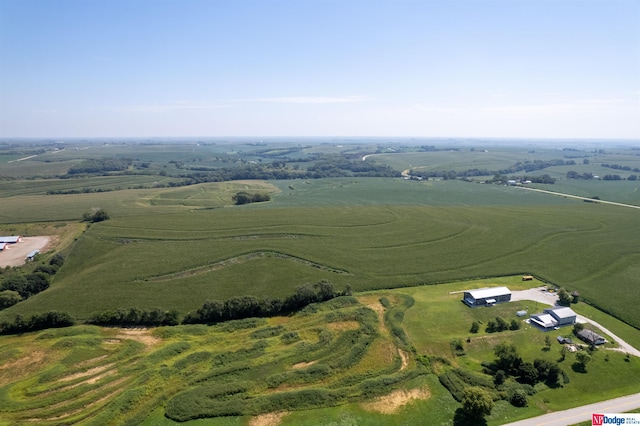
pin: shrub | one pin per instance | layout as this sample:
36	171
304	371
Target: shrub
518	398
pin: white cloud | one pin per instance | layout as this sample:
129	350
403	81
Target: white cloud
310	99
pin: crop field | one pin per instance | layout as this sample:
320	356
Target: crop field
366	358
174	240
142	259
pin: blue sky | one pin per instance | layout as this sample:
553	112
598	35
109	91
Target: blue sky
474	68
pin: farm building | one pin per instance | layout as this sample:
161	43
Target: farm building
487	296
3	246
564	316
32	254
591	337
11	239
554	317
527	278
544	321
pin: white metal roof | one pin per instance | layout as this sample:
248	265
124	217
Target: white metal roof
483	293
561	312
544	320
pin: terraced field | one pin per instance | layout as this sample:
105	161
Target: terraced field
339	352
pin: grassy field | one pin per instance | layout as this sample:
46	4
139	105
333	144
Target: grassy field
341	361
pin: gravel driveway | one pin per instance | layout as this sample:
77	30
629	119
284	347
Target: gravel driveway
542	296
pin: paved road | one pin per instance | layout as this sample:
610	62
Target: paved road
580	198
581	414
537	295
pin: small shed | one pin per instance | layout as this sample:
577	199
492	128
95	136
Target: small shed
486	296
32	254
527	278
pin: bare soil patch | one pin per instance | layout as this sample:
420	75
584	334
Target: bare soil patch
389	404
405	359
268	419
16	254
90	372
13	369
301	365
142	335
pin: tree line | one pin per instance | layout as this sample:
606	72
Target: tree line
100	165
211	312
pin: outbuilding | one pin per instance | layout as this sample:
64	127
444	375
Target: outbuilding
591	337
3	246
11	239
544	321
563	315
487	296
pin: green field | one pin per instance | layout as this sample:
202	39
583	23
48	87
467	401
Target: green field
419	233
344	359
172	244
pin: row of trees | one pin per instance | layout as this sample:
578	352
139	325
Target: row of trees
134	316
36	322
100	165
500	324
246	198
215	311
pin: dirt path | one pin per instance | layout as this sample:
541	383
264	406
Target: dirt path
16	254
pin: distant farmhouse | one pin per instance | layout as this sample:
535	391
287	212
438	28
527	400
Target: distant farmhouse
11	239
591	337
487	296
553	317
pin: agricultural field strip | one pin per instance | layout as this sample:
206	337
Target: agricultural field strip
580	198
240	259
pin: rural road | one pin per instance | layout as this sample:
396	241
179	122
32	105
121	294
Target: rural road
580	198
551	299
581	414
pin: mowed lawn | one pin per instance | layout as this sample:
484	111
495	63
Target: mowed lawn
178	260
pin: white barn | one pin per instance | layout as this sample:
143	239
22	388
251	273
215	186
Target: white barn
486	296
553	317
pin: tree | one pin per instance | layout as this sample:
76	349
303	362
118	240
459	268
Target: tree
547	342
476	401
57	260
514	325
9	298
508	358
475	327
96	215
501	324
528	373
518	398
577	328
583	359
499	378
564	298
